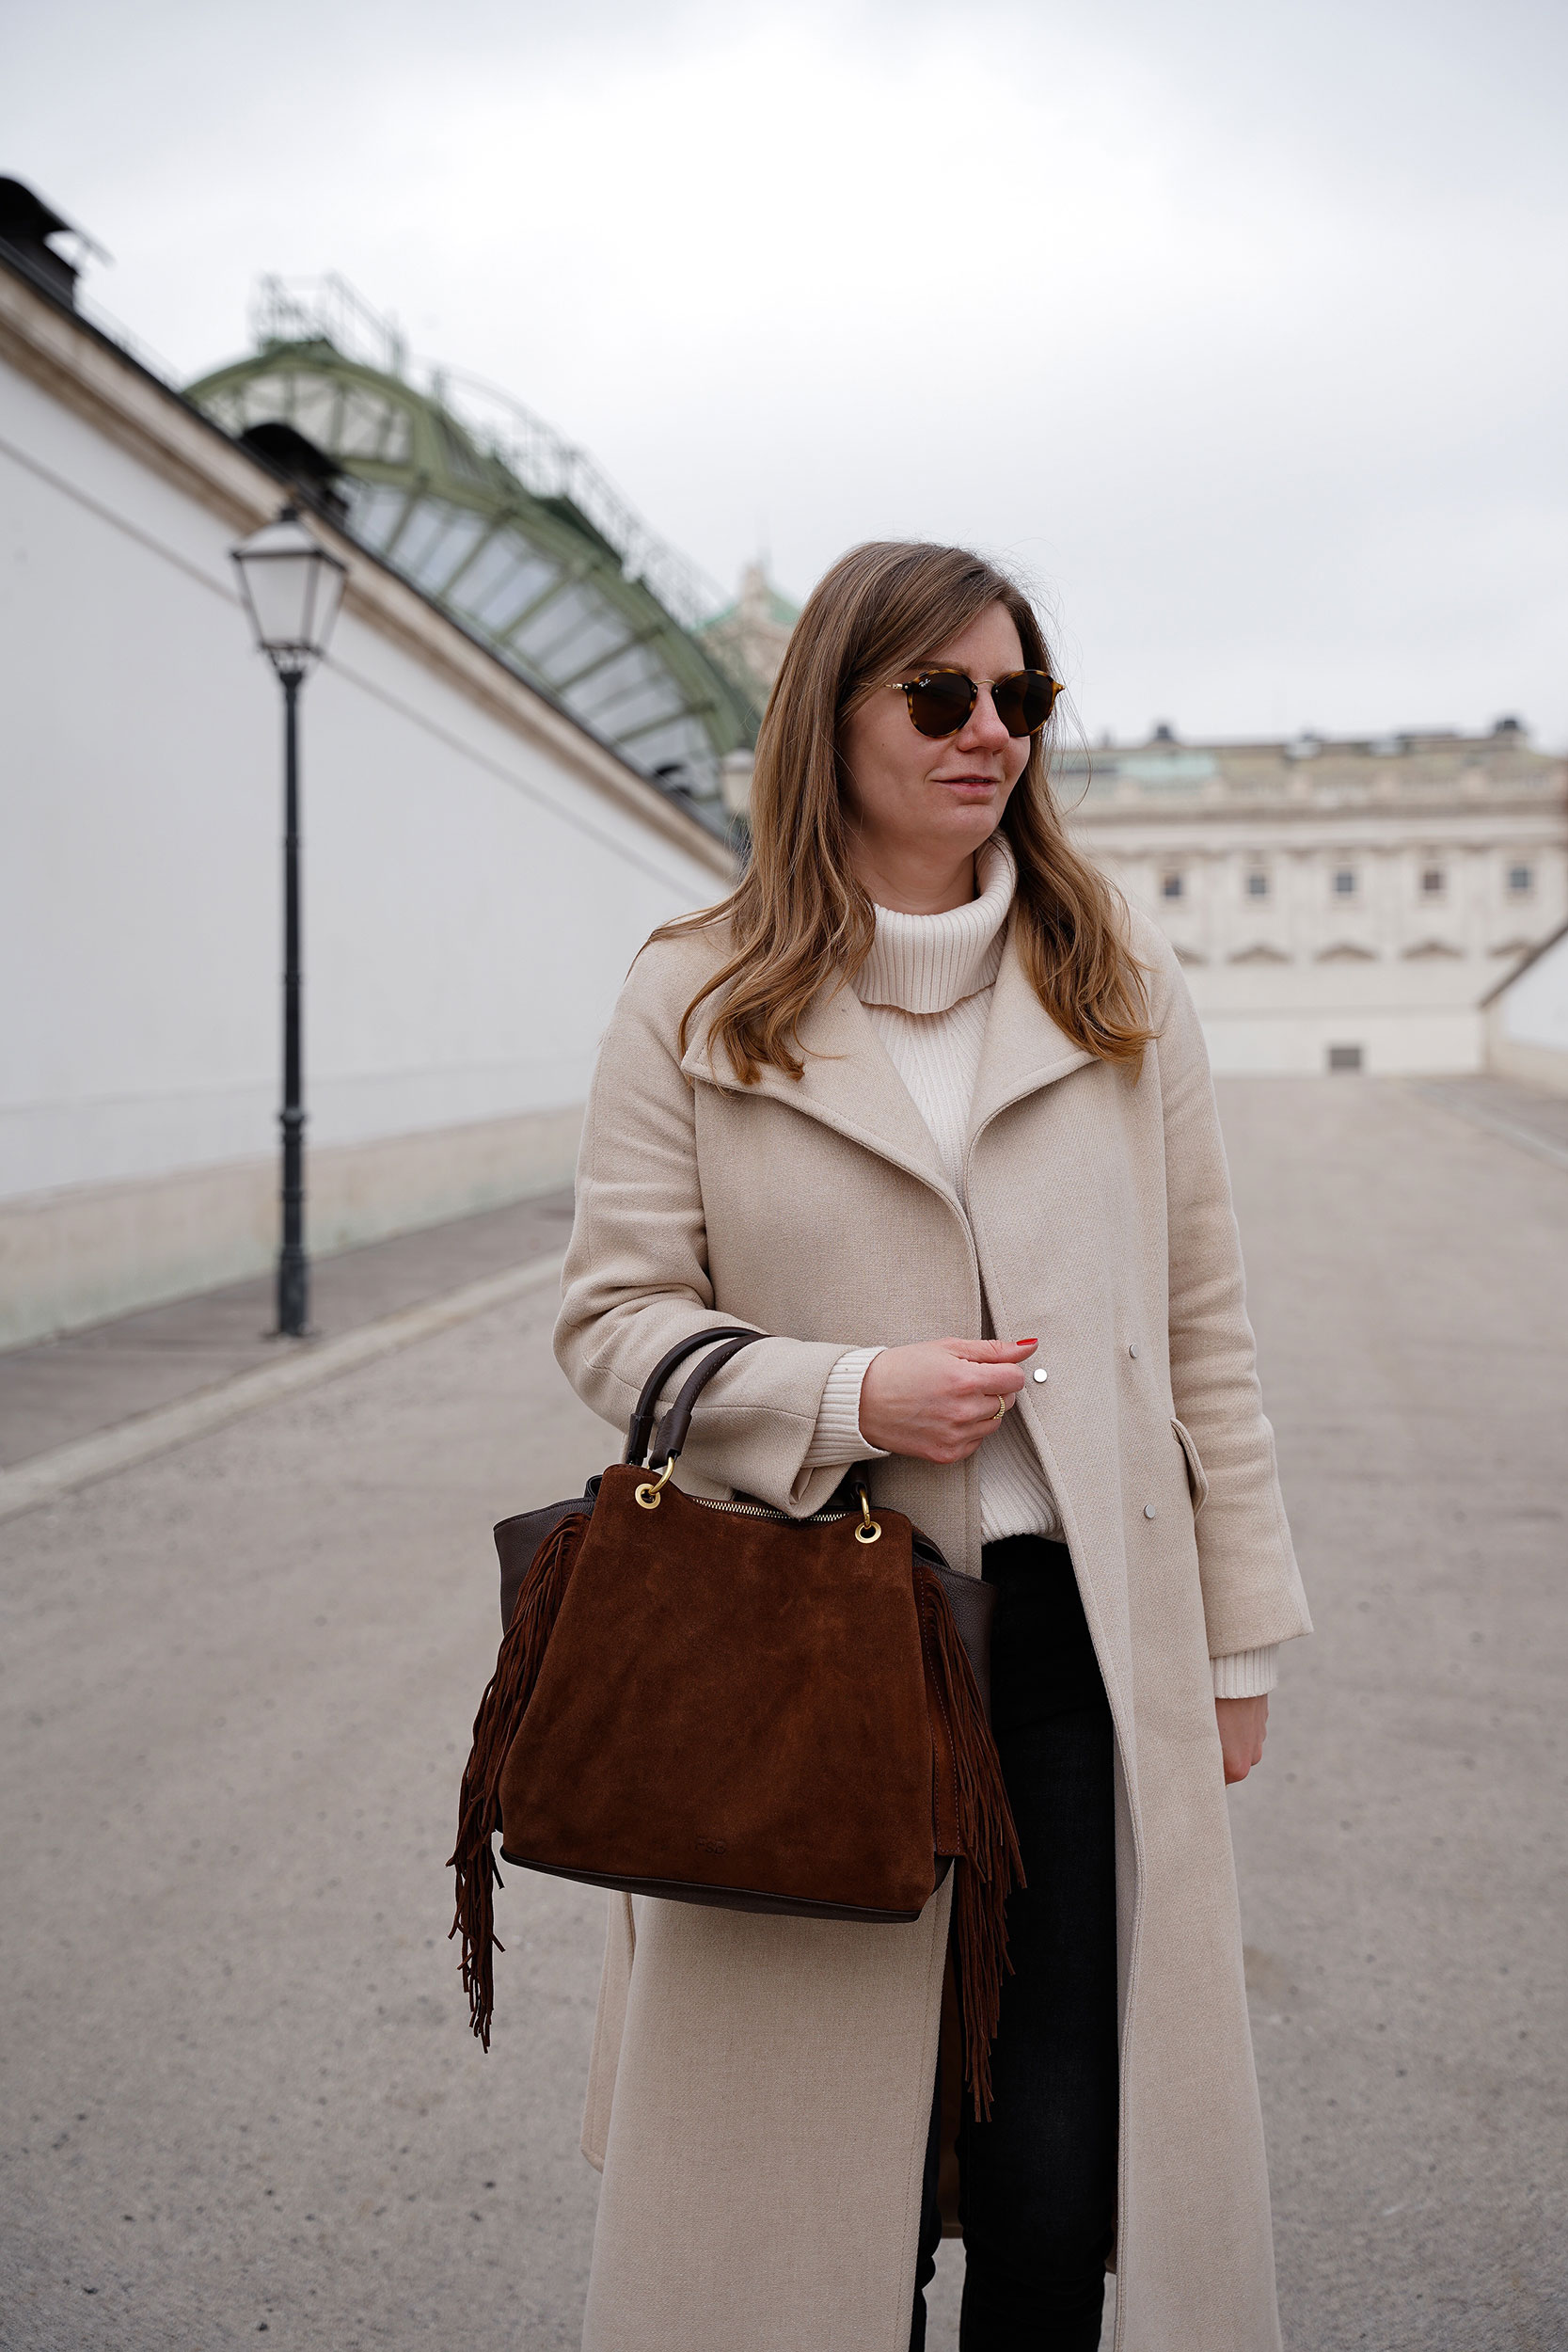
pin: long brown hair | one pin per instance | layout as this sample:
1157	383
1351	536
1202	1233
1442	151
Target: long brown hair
799	917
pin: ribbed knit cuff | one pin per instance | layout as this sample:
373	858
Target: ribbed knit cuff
1247	1674
836	1441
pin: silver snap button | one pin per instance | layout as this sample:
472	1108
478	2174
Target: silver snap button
1042	1375
1133	1348
1148	1510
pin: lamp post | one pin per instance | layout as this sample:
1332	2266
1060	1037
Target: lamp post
291	588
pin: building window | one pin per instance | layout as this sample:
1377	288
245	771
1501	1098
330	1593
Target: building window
1257	884
1433	882
1344	882
1521	881
1173	886
1344	1058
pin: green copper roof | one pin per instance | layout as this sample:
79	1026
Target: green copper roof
777	609
510	530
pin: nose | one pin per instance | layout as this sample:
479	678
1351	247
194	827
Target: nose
985	730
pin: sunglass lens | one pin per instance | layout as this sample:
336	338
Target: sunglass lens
1024	702
941	700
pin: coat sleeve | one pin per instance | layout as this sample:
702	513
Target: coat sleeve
636	1279
1252	1590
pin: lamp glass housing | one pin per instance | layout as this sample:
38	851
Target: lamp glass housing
293	587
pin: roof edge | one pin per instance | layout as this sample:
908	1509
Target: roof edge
232	486
1523	965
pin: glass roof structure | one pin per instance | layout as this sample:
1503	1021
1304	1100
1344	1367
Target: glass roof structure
504	525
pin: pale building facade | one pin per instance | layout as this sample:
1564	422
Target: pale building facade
749	637
1337	905
480	868
748	641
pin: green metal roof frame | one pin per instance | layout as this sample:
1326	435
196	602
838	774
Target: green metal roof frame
424	458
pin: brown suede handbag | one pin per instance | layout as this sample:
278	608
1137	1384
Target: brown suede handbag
715	1703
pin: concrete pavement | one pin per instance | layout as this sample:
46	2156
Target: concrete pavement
1525	1115
1402	1852
237	2090
57	1392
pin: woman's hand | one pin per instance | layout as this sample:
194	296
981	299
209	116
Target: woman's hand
1243	1727
938	1399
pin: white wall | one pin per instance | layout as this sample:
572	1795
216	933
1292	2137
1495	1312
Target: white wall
1527	1022
1535	1007
471	899
1407	1019
1399	1043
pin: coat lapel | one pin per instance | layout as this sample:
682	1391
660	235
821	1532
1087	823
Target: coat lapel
851	1084
1024	1049
848	1082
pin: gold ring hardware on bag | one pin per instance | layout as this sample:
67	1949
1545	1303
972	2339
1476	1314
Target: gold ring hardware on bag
648	1496
868	1530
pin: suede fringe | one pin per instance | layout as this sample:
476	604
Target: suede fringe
989	1864
495	1726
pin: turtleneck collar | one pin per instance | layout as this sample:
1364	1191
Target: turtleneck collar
929	963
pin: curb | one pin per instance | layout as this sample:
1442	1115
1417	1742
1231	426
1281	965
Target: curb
68	1467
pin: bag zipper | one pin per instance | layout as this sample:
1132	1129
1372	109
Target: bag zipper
766	1511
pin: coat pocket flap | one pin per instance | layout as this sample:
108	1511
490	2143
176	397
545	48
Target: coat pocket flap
1197	1477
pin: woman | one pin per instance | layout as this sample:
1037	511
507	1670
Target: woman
920	1085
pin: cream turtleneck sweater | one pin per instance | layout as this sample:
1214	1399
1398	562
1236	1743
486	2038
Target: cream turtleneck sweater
926	985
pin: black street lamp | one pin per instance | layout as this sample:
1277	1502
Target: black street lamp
291	588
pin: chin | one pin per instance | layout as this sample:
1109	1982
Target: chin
978	818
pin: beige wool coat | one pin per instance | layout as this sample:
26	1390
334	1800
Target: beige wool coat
760	2087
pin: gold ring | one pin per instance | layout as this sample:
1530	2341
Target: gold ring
1001	1409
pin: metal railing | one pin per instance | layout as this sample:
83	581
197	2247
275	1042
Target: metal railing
293	310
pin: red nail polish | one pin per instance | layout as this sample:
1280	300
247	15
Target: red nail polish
1027	1342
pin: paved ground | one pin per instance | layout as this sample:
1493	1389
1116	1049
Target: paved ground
1525	1115
236	2088
1403	1857
62	1390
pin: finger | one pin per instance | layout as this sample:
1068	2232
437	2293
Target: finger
979	1381
993	1351
1000	1386
975	1372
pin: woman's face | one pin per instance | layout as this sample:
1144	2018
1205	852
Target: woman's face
912	795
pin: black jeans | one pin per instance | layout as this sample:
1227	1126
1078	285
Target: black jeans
1038	2196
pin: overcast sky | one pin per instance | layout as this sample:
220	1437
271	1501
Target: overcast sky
1241	327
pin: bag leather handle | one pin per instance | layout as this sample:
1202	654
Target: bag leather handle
673	1429
640	1430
